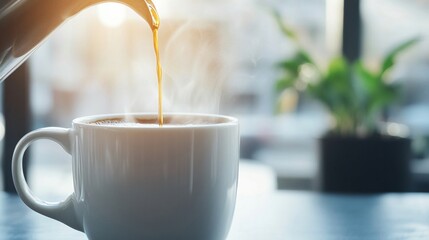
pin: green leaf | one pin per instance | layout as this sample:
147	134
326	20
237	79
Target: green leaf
338	76
286	30
304	56
384	97
284	83
292	65
389	60
369	80
338	67
322	91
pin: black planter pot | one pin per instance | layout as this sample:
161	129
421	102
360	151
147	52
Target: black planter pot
364	165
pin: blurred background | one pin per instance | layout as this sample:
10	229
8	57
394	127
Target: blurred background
220	57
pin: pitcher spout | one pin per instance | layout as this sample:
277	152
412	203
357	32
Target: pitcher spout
24	24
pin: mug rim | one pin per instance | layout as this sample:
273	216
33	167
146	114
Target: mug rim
86	121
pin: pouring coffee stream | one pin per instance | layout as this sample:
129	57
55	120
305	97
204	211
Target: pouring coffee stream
24	24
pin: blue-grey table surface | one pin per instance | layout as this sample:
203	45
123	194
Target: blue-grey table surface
282	215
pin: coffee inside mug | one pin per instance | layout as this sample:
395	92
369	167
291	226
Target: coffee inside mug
150	120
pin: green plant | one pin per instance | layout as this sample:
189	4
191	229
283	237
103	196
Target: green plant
353	94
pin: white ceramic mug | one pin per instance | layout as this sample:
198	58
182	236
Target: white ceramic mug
144	181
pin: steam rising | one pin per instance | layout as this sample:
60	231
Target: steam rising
194	69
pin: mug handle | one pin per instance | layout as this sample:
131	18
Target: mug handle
64	211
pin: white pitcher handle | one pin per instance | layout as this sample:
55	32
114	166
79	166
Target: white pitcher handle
62	211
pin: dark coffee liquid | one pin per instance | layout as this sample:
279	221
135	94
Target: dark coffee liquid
176	121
